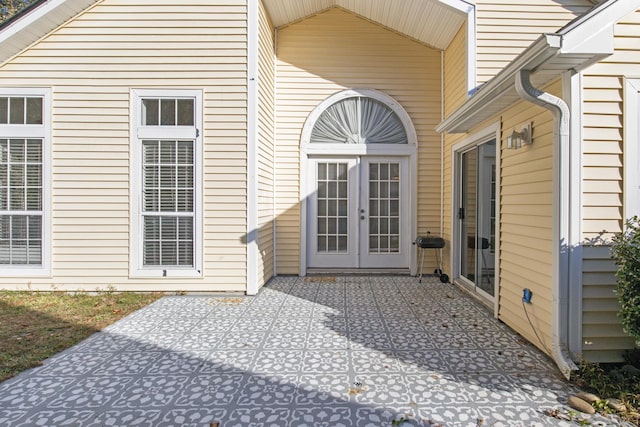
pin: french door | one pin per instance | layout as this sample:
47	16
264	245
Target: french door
358	213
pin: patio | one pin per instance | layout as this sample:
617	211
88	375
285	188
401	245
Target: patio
316	351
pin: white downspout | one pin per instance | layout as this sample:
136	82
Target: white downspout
561	213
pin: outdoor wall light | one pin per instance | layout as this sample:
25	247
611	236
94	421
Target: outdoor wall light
520	137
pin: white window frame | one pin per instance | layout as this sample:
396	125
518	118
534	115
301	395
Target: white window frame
631	149
43	132
138	133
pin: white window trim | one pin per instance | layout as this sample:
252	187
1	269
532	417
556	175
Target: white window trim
35	131
491	132
137	134
631	149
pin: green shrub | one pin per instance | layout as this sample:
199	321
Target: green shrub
626	254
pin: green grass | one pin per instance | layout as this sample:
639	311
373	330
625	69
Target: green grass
37	325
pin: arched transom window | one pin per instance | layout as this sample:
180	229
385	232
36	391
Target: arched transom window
358	120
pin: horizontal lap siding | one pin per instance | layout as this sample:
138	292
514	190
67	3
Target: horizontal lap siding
602	186
333	51
91	63
507	27
266	129
455	89
526	197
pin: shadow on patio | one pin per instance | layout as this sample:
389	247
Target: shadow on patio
320	351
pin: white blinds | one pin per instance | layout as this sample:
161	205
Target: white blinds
358	120
21	201
168	202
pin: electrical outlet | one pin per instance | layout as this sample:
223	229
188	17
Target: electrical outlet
526	295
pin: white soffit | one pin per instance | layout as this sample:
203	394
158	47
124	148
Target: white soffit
432	22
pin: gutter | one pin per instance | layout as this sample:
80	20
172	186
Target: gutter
561	207
543	49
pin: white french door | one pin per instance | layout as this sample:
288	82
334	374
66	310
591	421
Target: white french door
358	213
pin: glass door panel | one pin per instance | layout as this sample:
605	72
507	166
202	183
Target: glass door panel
477	216
384	214
332	237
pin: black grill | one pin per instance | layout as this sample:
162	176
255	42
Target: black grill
431	242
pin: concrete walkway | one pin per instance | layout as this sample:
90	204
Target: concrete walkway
320	351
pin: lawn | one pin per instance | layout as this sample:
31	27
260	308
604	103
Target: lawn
37	325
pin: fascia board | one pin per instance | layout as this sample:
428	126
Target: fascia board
591	35
37	23
544	48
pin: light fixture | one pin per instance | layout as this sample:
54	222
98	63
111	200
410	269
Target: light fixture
519	137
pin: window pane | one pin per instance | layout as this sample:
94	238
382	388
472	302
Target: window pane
35	227
150	151
185	254
16	175
151	253
168	152
19	252
167	112
34	111
34	252
19	227
16	150
185	152
167	176
185	200
34	199
185	228
4	110
151	177
16	111
167	200
34	175
150	112
169	253
185	112
151	200
4	150
16	199
34	150
169	228
151	229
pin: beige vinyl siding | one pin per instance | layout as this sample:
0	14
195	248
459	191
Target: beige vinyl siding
602	186
455	72
526	212
266	144
91	63
507	27
336	50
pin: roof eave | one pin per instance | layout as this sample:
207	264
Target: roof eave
29	27
583	42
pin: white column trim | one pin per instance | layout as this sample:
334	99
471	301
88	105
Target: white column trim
253	252
631	149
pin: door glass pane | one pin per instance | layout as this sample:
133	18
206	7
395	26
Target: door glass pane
332	199
477	216
467	214
384	202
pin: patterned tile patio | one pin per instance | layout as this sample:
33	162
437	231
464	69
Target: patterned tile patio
320	351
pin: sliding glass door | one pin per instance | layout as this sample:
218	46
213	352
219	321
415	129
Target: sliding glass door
476	216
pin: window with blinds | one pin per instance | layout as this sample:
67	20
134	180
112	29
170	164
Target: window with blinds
21	180
167	206
168	187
